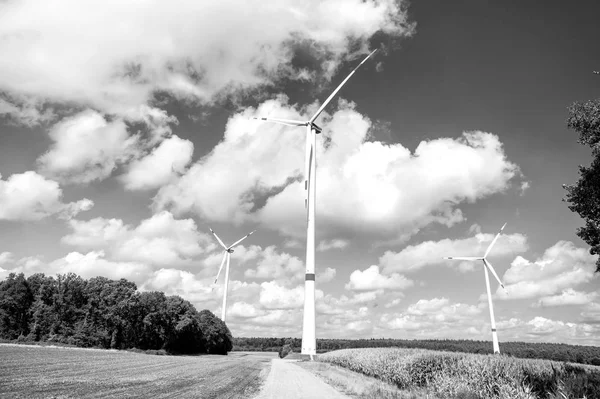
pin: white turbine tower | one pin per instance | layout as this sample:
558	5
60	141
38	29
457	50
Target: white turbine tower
487	266
309	342
227	251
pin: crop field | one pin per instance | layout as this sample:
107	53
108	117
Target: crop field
460	375
58	372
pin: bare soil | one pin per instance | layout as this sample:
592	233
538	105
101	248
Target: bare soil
59	372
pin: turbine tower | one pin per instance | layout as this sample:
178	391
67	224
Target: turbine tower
487	266
227	251
309	342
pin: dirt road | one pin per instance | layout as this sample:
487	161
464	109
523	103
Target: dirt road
289	381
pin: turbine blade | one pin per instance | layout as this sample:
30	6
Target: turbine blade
494	241
463	257
316	115
218	239
288	122
490	268
221	267
241	239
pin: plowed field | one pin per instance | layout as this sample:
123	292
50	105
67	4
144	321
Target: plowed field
56	372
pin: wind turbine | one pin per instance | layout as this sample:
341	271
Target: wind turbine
487	266
309	341
227	251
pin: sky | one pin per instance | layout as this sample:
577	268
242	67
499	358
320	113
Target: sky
126	131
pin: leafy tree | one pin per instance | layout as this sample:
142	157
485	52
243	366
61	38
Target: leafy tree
217	337
584	196
15	300
106	313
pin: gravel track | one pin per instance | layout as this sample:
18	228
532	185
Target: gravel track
289	381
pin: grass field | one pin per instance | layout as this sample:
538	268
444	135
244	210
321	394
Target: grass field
460	375
59	372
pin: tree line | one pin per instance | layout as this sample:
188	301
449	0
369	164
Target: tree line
558	352
105	313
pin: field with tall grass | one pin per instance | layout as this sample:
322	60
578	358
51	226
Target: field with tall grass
462	375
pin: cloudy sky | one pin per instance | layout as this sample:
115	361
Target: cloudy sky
126	131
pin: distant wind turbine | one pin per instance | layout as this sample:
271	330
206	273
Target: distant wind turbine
487	265
227	251
309	342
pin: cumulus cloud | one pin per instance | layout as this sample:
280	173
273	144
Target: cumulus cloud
428	253
332	244
255	174
437	315
561	267
6	257
279	266
158	240
86	147
28	113
327	275
29	196
154	47
91	264
275	296
524	187
568	297
371	279
161	166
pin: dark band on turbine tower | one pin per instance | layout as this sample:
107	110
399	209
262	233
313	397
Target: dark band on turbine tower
310	277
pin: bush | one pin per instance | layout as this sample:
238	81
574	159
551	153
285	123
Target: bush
285	350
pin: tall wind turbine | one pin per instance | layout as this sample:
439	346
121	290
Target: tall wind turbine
227	251
309	342
487	266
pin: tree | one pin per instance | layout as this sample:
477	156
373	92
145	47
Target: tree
584	196
15	300
217	337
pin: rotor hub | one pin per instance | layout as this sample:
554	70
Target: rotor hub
316	127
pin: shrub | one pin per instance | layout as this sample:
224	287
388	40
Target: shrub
285	350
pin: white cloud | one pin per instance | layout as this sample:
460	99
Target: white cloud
562	266
293	244
436	314
371	279
91	264
280	266
261	164
568	297
6	257
332	244
61	51
275	296
158	240
243	310
29	113
475	229
161	166
86	147
524	186
327	275
29	196
415	257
